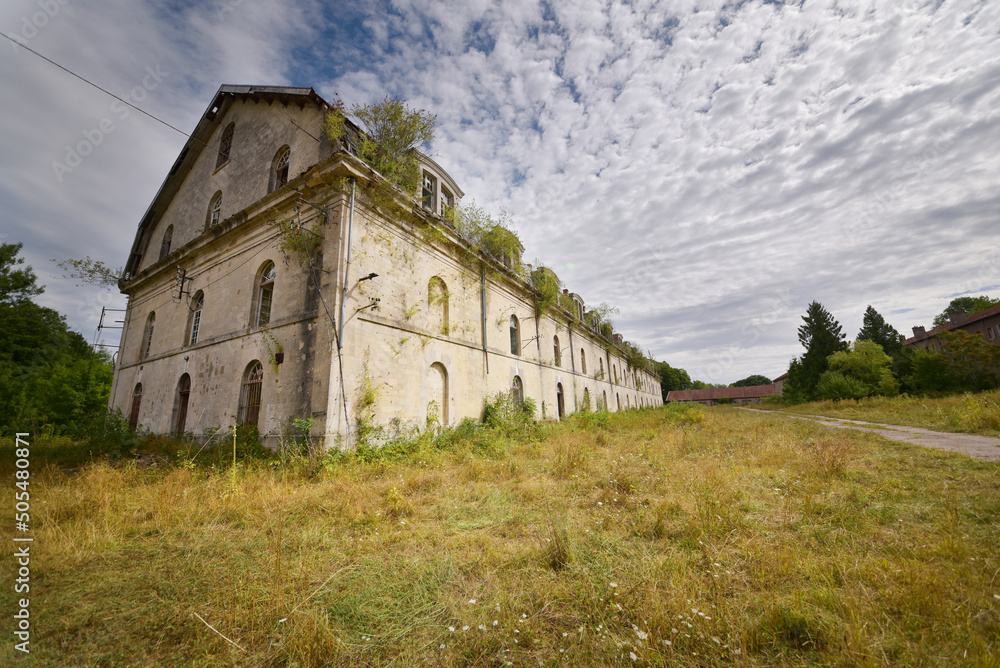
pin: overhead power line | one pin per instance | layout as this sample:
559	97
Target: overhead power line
146	113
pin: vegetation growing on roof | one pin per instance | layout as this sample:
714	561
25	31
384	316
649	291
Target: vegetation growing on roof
394	132
548	289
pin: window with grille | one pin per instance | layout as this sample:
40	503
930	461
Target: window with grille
225	145
250	391
517	390
197	304
279	170
265	294
215	210
147	342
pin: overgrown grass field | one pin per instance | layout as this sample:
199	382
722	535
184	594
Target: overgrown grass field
671	537
969	413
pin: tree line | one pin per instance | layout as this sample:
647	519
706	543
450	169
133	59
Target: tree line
53	381
877	363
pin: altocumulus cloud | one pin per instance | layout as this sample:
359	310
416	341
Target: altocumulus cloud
709	167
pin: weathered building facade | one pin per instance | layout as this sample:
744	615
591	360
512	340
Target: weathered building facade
263	288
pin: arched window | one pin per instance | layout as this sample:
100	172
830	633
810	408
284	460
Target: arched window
583	361
560	401
517	390
279	169
618	398
437	391
604	401
133	416
225	145
614	368
600	370
437	305
586	401
249	407
165	243
194	328
215	209
147	337
264	295
515	336
181	410
557	357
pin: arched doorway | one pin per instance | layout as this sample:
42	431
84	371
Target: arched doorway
437	394
183	394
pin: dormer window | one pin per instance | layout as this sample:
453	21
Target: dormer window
225	145
428	193
447	200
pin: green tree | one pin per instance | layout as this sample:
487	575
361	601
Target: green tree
752	381
972	359
874	328
671	378
393	134
91	272
16	284
821	336
50	375
864	371
930	373
968	304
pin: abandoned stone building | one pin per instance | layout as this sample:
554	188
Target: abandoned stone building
396	315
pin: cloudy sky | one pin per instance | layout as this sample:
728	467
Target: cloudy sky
708	167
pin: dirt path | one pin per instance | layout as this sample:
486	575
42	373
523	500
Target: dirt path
979	447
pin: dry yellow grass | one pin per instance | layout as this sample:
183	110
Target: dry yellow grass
968	413
633	539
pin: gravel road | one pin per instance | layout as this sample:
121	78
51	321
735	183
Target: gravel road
986	448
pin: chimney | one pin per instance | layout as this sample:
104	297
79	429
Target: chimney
919	331
956	316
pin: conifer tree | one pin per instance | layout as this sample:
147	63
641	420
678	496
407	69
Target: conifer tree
874	328
821	336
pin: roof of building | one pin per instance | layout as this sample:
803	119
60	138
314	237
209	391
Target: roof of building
197	142
713	393
960	321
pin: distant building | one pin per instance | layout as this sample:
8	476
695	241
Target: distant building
985	323
737	395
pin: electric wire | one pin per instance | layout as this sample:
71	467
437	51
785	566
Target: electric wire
146	113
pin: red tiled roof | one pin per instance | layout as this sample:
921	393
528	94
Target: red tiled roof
712	393
967	320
